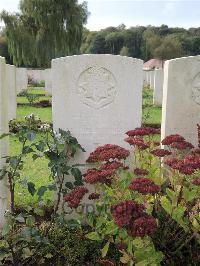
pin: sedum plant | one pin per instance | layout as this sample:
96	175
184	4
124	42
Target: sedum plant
146	204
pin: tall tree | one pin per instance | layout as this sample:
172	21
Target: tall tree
44	29
169	48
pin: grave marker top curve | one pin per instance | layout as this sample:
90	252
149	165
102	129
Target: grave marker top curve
97	97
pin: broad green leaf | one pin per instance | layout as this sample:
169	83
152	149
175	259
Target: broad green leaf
76	173
14	162
31	135
30	220
49	256
104	250
172	195
6	229
27	253
166	204
110	228
4	135
40	146
41	191
189	195
69	185
93	236
31	188
19	218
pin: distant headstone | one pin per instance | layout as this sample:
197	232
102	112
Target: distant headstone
148	77
158	87
12	91
21	79
48	81
181	97
3	142
36	75
151	78
97	97
145	82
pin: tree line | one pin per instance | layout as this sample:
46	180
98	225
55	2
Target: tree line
47	29
143	42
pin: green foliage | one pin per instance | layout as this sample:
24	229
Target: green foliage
32	98
21	241
44	29
175	206
143	42
4	49
58	148
151	115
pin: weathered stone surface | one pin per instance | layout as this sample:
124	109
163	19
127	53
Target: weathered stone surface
48	82
21	79
36	75
12	91
181	97
151	78
3	142
158	87
97	97
145	77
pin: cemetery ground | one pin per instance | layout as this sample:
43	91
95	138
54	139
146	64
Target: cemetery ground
38	171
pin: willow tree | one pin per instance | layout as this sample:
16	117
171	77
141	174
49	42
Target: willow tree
44	29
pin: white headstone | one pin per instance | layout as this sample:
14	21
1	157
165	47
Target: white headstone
36	75
158	87
21	79
151	81
48	82
145	77
97	97
181	98
3	142
12	91
148	77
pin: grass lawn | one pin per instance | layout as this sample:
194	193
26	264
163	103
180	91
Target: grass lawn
37	171
43	113
151	114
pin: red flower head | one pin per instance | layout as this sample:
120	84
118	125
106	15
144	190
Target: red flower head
75	196
93	176
94	196
143	131
182	145
108	152
196	151
122	246
142	226
171	162
106	263
171	139
124	211
154	143
161	152
144	186
137	142
111	166
140	171
196	181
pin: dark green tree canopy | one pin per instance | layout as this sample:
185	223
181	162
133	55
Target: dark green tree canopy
143	42
44	29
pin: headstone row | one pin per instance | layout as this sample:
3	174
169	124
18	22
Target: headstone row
21	79
3	142
181	98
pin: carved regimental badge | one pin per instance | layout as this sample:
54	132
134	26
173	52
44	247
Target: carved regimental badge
97	87
196	89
